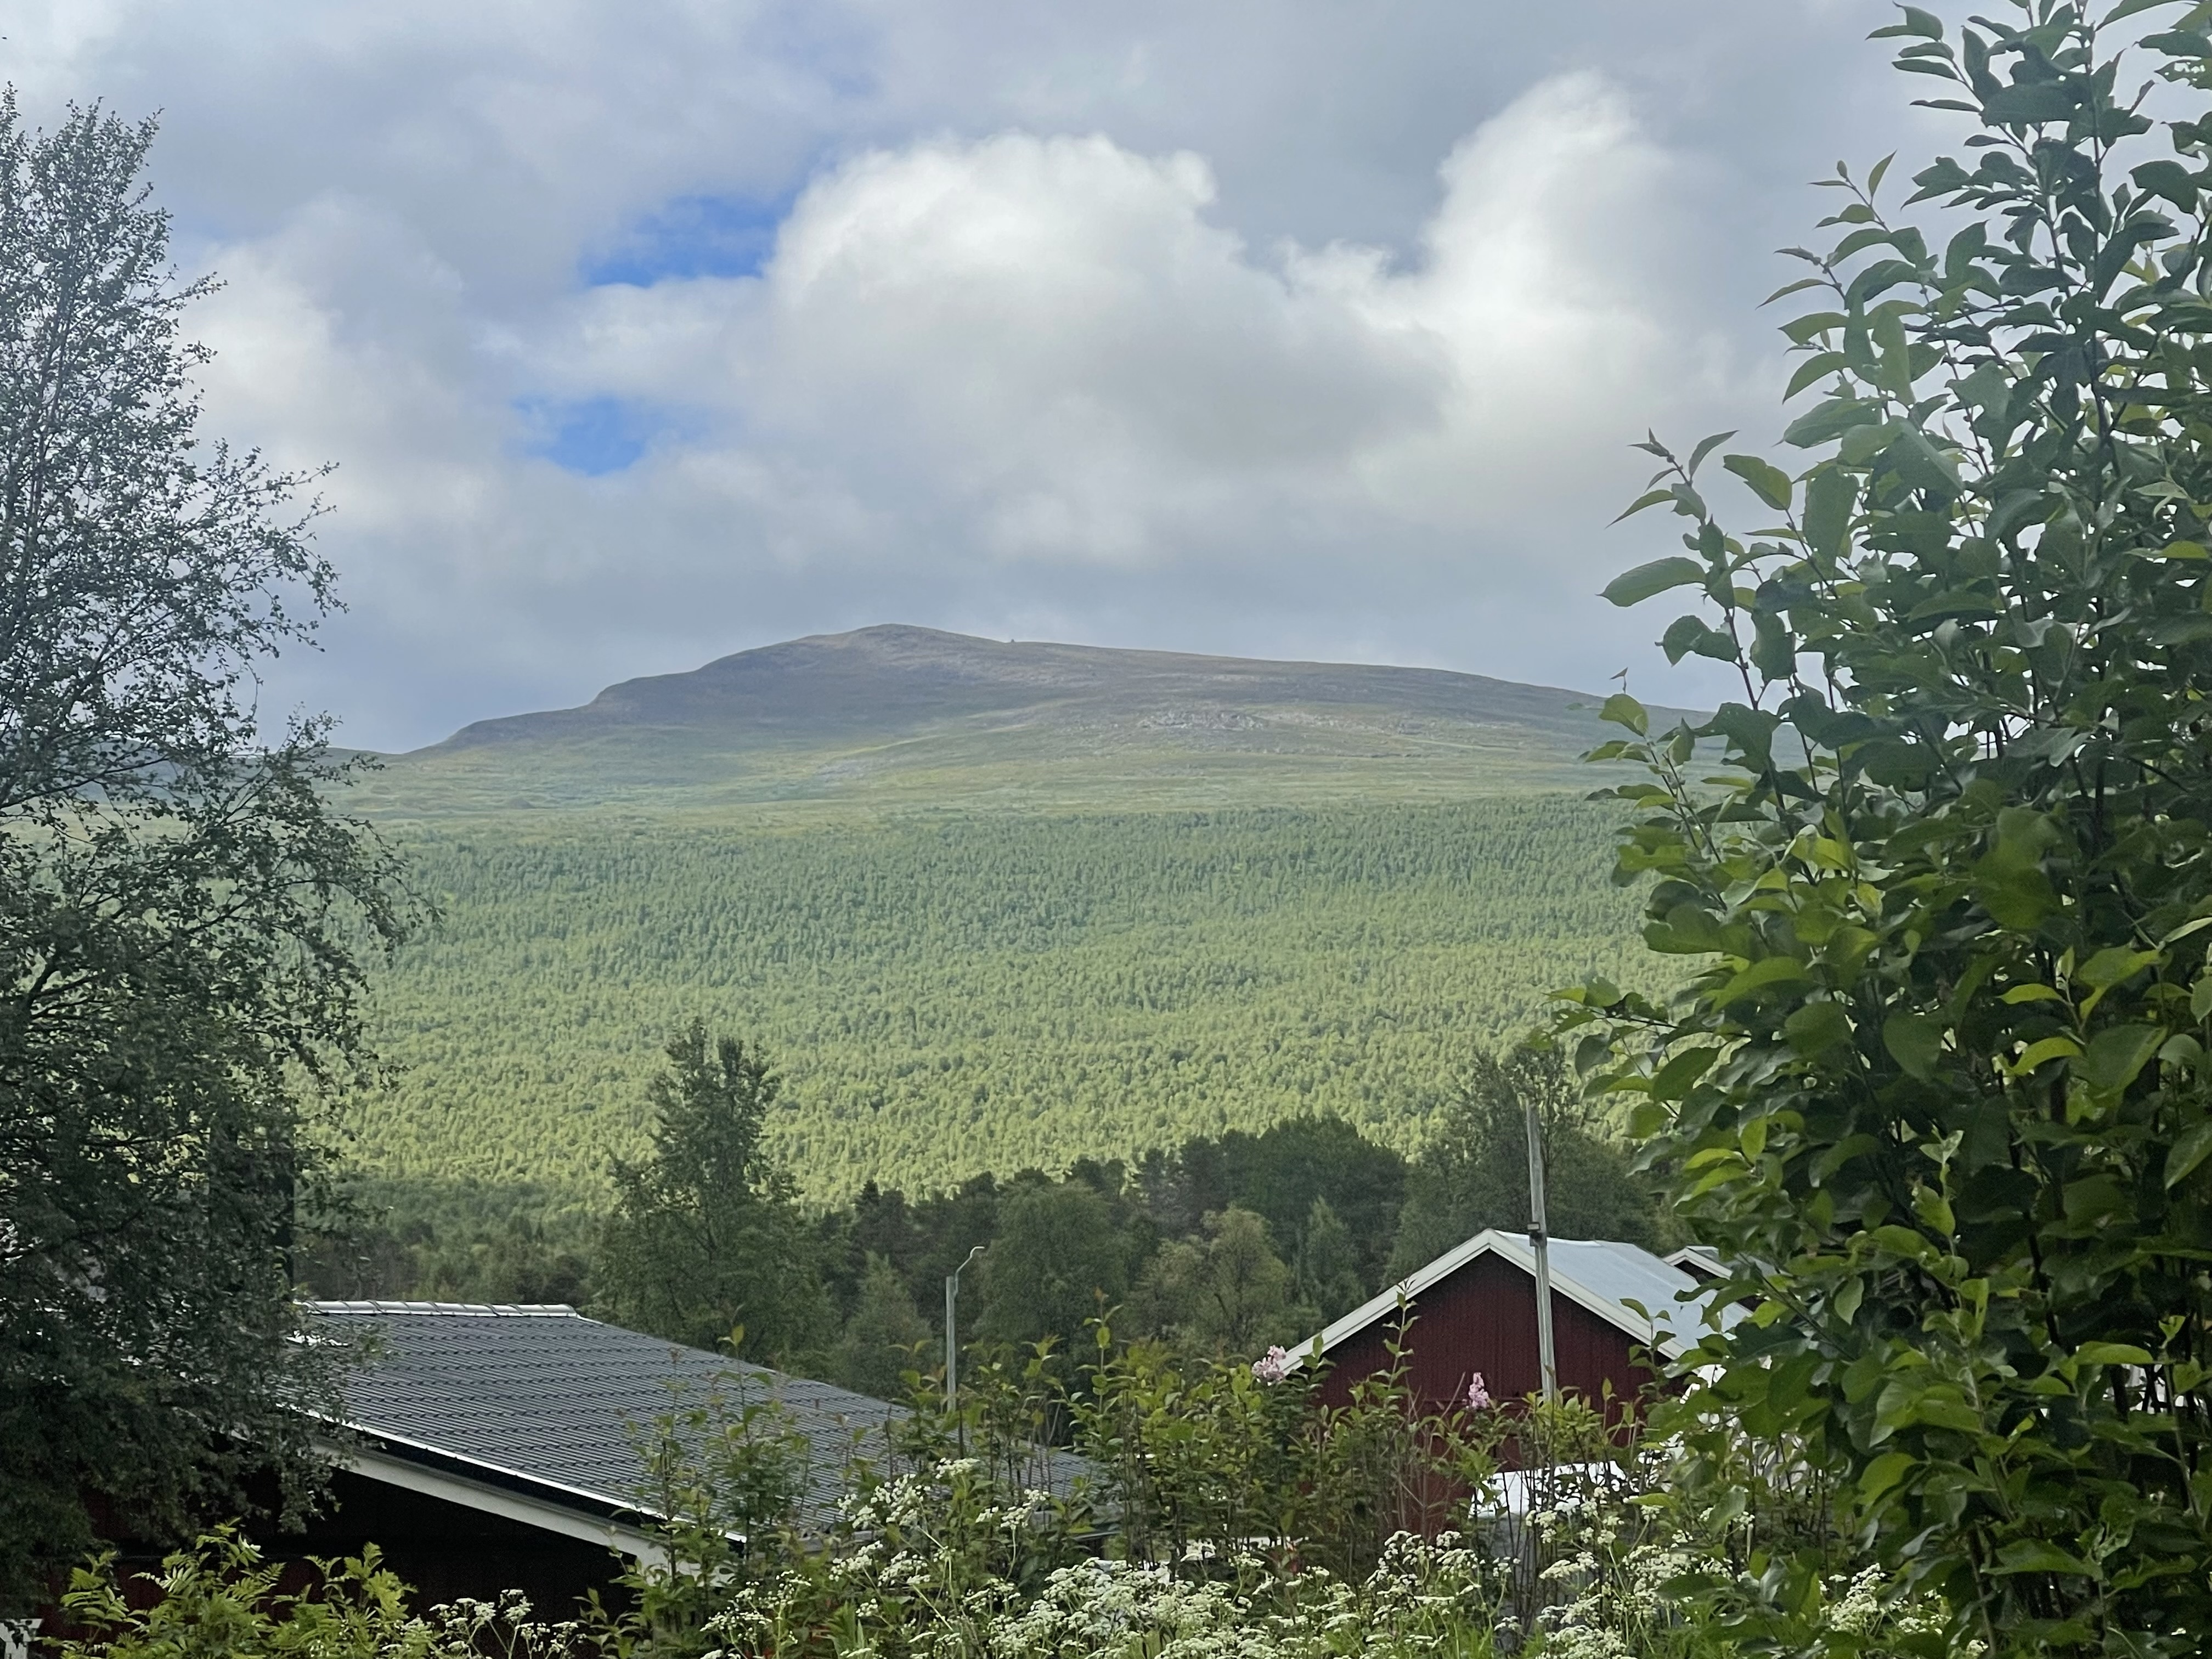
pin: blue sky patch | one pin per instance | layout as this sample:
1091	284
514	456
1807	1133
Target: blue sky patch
692	236
592	436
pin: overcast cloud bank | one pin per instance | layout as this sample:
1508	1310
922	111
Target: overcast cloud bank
634	351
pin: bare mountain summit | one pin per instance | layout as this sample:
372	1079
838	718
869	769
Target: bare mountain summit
896	716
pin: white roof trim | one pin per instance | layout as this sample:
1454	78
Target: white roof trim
496	1500
1515	1248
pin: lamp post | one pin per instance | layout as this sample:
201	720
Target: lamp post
1540	1244
952	1333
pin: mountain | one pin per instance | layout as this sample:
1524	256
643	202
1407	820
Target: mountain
897	715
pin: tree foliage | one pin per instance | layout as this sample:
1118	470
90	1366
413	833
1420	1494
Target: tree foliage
1057	1261
948	994
1937	1089
182	914
1227	1294
1473	1173
884	1338
706	1239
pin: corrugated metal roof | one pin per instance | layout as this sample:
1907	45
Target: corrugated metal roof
1603	1275
543	1397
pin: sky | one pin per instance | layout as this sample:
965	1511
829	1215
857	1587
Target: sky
642	333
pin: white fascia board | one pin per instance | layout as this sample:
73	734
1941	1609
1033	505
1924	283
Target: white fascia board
487	1500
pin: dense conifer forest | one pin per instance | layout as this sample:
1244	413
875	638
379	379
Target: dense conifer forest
950	993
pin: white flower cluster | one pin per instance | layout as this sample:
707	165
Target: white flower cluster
1424	1598
1113	1606
944	1565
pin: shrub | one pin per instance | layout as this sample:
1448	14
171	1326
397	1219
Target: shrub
1937	1089
219	1598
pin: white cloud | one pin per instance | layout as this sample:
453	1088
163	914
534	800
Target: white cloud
1046	350
1266	330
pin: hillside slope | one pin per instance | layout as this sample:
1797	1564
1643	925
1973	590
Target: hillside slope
909	716
956	991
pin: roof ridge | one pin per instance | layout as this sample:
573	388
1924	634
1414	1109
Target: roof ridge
1515	1249
455	1309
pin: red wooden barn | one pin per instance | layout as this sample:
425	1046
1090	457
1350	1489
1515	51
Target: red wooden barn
1474	1313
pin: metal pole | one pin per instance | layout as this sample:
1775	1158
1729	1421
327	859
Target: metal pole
1539	1243
951	1332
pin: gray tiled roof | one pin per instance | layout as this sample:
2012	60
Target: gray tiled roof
543	1398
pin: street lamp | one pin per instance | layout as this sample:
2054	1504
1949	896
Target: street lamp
951	1336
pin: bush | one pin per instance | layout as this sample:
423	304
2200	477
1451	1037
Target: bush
1938	1087
220	1598
1222	1518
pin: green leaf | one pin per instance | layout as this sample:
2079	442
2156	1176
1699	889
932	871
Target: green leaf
1817	1027
1649	498
1621	709
1831	495
2191	1151
2020	993
1773	646
2112	964
2115	1057
2033	1555
1916	23
1705	446
1934	1211
2200	998
1885	1472
1917	460
1768	482
1687	634
1896	763
1901	1241
2130	8
1829	421
1820	363
2169	179
1674	1078
2112	1353
1750	732
2030	103
1896	354
2038	1053
1788	288
2017	897
1914	1042
1760	975
1634	586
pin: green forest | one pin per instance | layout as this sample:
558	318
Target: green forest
953	994
1218	1246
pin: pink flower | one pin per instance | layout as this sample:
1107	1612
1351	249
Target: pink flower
1478	1397
1272	1367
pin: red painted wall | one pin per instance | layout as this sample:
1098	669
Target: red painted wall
1483	1318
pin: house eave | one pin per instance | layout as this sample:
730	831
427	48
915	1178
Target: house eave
423	1470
